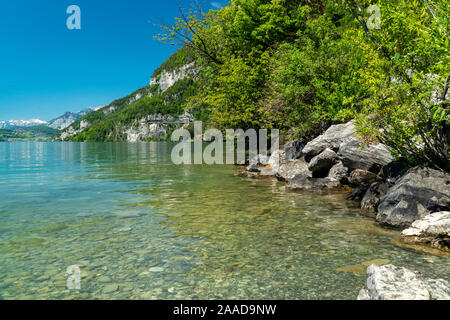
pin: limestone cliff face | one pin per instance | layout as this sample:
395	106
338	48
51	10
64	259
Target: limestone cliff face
144	131
167	79
129	100
155	126
71	131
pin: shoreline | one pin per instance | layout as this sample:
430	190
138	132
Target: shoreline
320	193
412	200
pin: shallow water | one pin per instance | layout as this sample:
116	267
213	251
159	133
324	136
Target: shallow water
140	227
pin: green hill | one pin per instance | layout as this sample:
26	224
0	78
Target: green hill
37	133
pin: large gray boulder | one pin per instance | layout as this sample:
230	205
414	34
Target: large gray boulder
321	164
332	138
389	282
339	172
313	148
433	230
360	177
373	196
291	168
293	149
394	170
370	157
418	193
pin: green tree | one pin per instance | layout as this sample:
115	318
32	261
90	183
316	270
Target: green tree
314	79
407	77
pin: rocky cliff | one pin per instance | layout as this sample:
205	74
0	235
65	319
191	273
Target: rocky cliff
168	78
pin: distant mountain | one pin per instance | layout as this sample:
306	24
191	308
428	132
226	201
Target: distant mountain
59	123
68	118
21	123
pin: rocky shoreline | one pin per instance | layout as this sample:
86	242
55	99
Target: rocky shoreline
415	199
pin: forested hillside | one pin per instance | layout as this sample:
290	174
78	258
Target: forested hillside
300	66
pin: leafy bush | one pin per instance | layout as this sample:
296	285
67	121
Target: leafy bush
408	78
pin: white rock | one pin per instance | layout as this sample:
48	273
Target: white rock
435	224
84	124
144	130
291	168
332	138
389	282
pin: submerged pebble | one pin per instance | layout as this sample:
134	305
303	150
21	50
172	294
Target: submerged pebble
141	233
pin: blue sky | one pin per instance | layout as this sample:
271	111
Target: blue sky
46	69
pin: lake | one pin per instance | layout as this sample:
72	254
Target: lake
140	227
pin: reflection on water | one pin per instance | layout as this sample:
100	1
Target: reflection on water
140	227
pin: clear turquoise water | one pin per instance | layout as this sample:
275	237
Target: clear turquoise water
140	227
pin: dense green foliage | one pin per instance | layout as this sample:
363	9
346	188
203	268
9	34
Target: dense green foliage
299	65
37	133
312	79
408	75
279	64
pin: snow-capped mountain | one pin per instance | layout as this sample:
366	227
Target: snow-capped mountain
59	123
68	118
22	123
